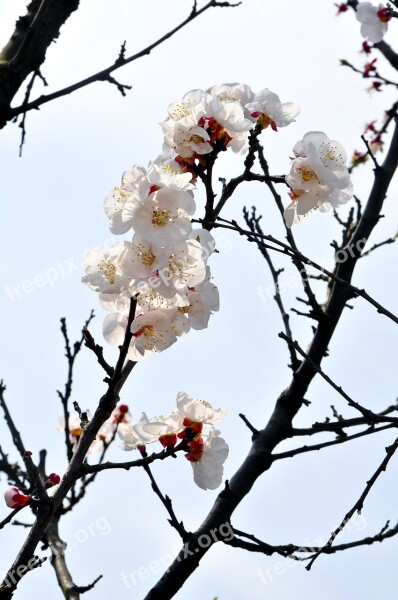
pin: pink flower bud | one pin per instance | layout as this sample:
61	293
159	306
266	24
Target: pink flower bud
14	498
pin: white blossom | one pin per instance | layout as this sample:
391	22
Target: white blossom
267	109
186	268
232	92
208	470
108	269
318	176
374	21
134	435
164	217
134	186
229	115
152	331
165	429
188	138
198	411
170	175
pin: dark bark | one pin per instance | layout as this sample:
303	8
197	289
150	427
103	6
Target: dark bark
26	50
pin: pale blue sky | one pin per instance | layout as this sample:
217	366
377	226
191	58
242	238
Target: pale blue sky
76	150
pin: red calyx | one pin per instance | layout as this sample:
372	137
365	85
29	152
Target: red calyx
369	67
195	449
169	439
193	425
366	48
384	14
341	8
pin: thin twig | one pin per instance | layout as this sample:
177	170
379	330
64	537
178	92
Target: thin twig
11	516
117	64
166	501
390	451
341	440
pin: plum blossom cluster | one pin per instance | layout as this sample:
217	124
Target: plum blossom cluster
318	178
220	118
192	425
164	265
105	435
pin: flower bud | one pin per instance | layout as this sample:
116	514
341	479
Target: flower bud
14	497
53	479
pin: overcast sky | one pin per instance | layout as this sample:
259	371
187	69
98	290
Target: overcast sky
76	149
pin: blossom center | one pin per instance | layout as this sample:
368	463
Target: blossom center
264	120
147	257
307	174
330	155
180	110
168	170
146	331
160	218
109	270
118	196
196	139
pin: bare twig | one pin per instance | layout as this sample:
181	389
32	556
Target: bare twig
98	351
364	411
248	424
390	451
121	61
341	440
166	501
16	436
390	240
12	514
65	396
288	550
285	249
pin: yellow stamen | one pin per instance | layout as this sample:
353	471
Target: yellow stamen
161	217
307	174
109	270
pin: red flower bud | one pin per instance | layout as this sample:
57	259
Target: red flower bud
53	479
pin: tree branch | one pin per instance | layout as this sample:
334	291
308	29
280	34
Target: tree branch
26	50
8	113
